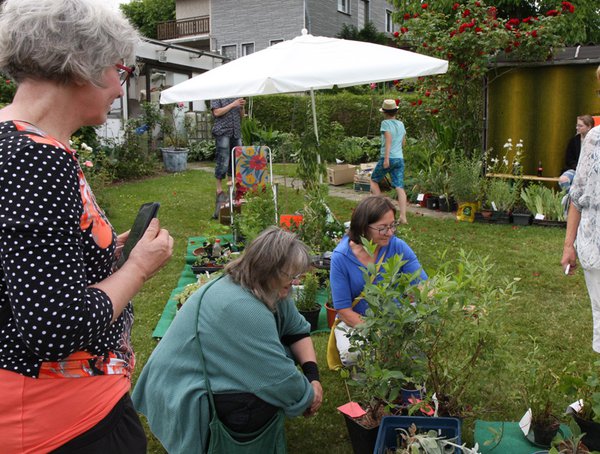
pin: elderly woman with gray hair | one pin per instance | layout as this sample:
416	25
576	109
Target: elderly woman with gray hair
235	343
66	358
582	239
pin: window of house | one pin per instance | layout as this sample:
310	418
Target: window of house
344	6
389	23
275	41
229	51
247	49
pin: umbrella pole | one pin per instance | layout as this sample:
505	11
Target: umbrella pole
314	114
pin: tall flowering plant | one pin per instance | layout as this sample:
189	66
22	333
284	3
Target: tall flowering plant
471	35
502	193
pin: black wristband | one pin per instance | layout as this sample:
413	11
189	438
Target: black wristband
311	371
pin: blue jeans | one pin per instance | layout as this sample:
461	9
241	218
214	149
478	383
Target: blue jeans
224	144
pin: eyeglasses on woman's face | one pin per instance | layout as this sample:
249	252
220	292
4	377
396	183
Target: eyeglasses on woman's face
125	72
383	229
294	277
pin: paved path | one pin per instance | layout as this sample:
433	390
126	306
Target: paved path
339	191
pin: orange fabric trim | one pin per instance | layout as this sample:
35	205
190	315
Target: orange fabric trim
38	416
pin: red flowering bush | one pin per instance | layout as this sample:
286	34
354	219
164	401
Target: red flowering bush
7	89
470	35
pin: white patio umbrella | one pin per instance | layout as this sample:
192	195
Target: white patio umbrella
305	63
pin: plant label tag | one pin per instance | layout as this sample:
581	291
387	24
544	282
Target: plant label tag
539	217
494	206
352	409
420	197
577	406
525	422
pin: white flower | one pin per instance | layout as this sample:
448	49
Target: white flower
505	161
508	145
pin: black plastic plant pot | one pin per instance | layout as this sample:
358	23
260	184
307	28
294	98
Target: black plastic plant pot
363	439
522	218
433	203
592	432
544	433
312	317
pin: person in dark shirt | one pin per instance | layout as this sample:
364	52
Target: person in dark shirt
227	131
583	126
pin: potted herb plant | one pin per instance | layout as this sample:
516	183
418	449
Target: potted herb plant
539	391
500	197
465	184
306	299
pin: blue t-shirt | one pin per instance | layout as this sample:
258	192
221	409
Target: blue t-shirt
397	130
346	277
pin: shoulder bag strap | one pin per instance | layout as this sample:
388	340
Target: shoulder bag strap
202	361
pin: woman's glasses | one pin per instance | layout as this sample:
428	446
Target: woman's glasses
383	229
125	72
293	278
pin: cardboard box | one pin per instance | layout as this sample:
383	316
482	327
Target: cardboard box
341	174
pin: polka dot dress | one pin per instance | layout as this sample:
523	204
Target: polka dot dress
49	257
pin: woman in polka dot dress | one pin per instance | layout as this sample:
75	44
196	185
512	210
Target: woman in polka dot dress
65	313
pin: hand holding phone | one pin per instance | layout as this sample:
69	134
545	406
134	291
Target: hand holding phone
146	213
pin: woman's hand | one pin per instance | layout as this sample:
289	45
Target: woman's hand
318	399
569	258
153	250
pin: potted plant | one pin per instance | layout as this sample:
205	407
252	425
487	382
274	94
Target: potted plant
306	299
545	204
539	391
470	306
389	341
500	197
465	184
258	213
586	411
175	143
572	444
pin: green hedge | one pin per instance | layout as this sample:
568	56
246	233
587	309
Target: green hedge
357	113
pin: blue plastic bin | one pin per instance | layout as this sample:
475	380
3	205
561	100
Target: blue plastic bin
386	437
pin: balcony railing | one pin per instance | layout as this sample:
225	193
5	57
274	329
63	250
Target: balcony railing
184	27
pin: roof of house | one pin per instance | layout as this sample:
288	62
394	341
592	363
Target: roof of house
574	55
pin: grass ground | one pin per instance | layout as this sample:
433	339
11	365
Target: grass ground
550	307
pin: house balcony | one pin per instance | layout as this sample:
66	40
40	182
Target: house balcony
183	28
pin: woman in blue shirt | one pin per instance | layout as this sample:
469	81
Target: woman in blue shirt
375	219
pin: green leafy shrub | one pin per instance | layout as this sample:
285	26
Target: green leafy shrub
201	150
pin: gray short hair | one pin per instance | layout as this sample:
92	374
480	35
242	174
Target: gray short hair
274	256
63	40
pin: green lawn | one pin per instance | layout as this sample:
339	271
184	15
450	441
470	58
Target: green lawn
550	307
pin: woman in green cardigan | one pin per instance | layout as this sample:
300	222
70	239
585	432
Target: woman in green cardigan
250	336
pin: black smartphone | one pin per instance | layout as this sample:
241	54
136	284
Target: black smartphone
146	213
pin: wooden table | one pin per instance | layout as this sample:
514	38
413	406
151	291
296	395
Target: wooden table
521	177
